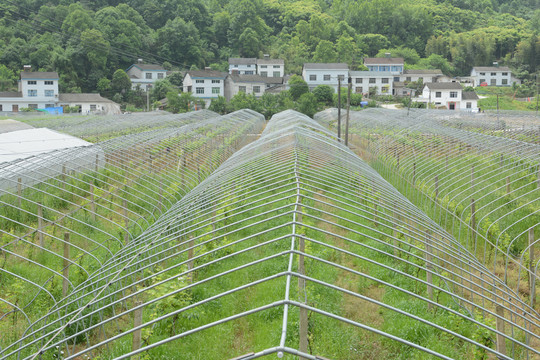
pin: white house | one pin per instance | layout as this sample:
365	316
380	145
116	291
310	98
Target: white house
89	103
385	64
449	95
36	90
243	66
249	84
271	67
491	75
426	75
364	81
316	74
142	75
205	84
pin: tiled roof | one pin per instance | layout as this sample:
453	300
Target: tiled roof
270	61
444	86
242	61
149	67
207	74
10	94
423	72
491	68
326	66
469	95
383	61
82	98
38	75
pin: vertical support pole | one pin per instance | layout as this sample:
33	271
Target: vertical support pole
137	321
92	202
394	234
126	221
348	113
19	192
446	163
40	224
436	187
472	177
65	283
532	267
303	324
507	185
501	160
473	217
190	257
64	176
501	344
198	173
414	172
97	162
339	110
429	270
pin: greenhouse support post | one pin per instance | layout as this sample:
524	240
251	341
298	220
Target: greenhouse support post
65	282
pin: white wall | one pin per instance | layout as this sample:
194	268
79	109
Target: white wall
242	69
270	69
493	78
333	82
206	85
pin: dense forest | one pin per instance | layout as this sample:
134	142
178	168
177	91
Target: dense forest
87	41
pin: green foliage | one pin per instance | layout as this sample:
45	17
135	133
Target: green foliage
307	104
298	87
179	103
324	94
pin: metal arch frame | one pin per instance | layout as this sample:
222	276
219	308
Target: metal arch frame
241	122
195	213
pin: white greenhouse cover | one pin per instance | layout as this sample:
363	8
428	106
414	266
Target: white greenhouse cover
26	143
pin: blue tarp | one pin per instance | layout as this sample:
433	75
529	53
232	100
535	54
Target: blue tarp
53	110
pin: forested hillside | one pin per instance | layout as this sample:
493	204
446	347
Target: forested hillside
87	41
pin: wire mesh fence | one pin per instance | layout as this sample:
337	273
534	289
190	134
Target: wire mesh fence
294	247
64	213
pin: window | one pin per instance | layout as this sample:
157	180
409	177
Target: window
372	80
216	81
385	89
341	77
148	75
92	107
49	93
32	82
453	94
438	94
199	81
49	106
358	89
248	66
264	66
358	80
249	72
482	80
32	106
264	73
235	66
504	74
32	93
493	82
276	74
483	73
160	75
505	81
493	74
276	66
49	82
396	78
257	89
408	78
1	108
326	77
469	105
215	90
199	90
312	77
242	89
384	80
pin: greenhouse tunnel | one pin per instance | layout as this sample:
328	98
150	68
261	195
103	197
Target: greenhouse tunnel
293	247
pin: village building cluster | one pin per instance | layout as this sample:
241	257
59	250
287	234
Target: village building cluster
385	76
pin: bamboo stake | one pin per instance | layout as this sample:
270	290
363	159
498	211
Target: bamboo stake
65	283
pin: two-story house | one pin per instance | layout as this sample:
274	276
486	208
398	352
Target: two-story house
491	75
316	74
36	90
271	67
143	75
385	64
243	66
369	82
205	84
449	95
426	75
252	84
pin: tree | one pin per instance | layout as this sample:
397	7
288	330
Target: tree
179	103
160	89
297	87
7	78
372	43
324	52
409	55
176	78
249	43
104	86
121	83
219	105
181	41
307	104
324	94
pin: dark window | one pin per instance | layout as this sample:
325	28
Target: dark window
438	94
327	77
385	80
372	80
312	77
358	80
49	82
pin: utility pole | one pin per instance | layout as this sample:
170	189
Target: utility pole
339	109
348	111
148	87
410	101
497	107
537	94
